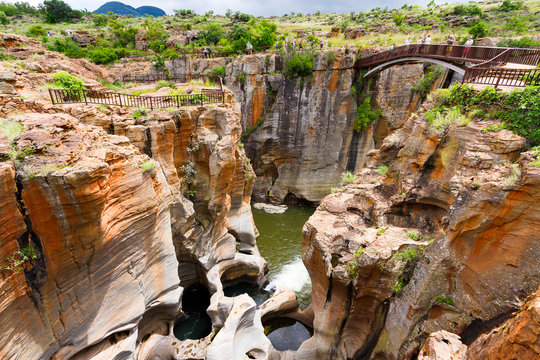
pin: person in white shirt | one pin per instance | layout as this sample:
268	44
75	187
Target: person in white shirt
468	45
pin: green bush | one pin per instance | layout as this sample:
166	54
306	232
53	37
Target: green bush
382	170
16	260
37	31
517	25
212	33
508	5
102	55
365	115
470	10
68	47
347	178
525	42
478	30
100	19
216	71
398	18
4	20
297	64
66	81
407	255
413	235
445	300
148	165
522	112
425	83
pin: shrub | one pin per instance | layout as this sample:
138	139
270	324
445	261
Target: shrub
536	157
522	113
297	64
509	5
17	259
100	19
407	255
37	31
4	20
68	47
164	83
398	18
381	230
516	25
347	178
352	268
445	300
400	284
425	83
478	30
102	55
212	33
139	112
148	165
525	42
382	170
359	252
413	235
66	81
216	71
440	120
470	10
365	115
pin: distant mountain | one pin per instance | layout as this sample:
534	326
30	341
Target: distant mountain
122	9
151	10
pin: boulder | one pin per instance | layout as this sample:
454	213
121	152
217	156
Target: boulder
443	345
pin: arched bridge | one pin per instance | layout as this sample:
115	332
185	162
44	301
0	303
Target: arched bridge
478	64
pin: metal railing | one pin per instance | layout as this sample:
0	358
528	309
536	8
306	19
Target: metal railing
75	96
503	77
475	54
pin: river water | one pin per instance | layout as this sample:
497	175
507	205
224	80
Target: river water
280	243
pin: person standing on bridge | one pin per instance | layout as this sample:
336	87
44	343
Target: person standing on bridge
450	43
468	45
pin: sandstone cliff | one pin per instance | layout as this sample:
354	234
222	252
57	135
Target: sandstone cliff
436	232
300	129
118	234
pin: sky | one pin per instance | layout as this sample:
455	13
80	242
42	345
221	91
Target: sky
254	7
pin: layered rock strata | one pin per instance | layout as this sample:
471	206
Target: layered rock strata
436	232
118	234
302	129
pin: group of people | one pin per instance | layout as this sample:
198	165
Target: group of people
323	43
426	40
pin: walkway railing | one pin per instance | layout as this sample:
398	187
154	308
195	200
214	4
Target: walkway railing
474	54
503	77
74	96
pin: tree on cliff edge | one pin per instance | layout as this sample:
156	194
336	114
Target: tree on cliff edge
58	11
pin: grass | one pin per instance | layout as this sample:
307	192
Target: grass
10	129
381	230
513	175
440	120
347	178
407	255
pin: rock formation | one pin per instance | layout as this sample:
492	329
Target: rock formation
435	232
115	235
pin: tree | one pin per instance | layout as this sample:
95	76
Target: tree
478	30
58	11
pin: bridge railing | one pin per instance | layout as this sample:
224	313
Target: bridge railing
477	54
74	96
503	77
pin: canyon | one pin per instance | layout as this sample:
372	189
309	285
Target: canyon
128	215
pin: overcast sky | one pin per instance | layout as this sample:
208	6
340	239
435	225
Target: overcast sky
254	7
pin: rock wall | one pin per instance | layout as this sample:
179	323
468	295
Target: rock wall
116	234
436	232
298	130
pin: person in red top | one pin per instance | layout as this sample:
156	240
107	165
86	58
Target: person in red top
468	45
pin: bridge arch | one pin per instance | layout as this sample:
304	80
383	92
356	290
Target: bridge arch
410	59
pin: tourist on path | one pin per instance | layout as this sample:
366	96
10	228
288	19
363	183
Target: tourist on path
468	45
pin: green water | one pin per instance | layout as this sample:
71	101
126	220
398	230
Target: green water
280	243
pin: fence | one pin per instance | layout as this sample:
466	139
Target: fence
74	96
162	75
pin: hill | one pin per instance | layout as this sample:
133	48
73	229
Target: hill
120	8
